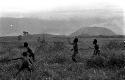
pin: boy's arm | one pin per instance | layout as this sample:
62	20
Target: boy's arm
15	59
91	47
69	42
30	51
30	61
86	48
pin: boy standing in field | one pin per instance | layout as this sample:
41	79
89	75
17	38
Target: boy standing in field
31	54
75	48
96	48
124	43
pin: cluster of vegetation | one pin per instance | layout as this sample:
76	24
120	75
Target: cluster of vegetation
114	44
111	56
54	63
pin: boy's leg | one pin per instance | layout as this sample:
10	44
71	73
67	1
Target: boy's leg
29	69
98	52
73	57
21	69
32	56
95	52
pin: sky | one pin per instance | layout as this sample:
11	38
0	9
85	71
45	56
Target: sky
25	6
20	8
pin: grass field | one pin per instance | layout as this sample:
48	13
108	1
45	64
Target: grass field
53	60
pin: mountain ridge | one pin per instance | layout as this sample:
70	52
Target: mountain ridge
93	31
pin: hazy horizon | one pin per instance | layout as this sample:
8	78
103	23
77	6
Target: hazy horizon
60	17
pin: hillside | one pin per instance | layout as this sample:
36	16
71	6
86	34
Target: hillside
93	31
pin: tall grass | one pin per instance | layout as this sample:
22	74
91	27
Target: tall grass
111	56
54	62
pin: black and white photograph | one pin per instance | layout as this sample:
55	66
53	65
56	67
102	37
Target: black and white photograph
62	40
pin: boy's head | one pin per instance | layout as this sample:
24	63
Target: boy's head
76	39
25	44
24	54
95	41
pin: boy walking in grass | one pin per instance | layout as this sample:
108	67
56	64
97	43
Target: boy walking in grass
26	62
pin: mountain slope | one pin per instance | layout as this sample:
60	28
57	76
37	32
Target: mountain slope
93	31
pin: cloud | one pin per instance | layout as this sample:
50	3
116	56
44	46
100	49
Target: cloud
26	6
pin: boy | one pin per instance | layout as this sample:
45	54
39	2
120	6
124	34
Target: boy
75	48
96	48
31	55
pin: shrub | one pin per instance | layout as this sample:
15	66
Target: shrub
95	61
4	59
114	44
58	46
116	61
58	59
112	60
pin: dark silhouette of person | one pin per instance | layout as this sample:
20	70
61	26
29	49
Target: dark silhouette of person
75	48
25	63
31	54
96	48
124	43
